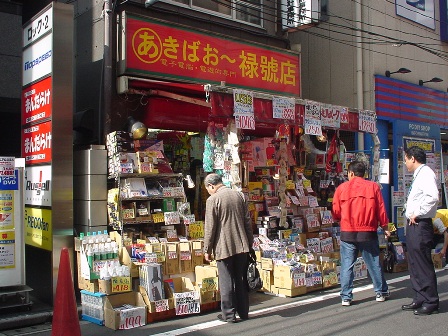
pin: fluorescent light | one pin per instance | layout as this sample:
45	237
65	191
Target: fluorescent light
442	133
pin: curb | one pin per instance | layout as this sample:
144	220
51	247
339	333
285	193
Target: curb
22	320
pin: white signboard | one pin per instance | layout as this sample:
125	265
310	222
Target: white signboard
39	27
299	12
420	11
38	185
187	303
245	122
330	116
243	102
37	60
367	121
283	108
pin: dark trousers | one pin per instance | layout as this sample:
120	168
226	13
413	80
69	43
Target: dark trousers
233	286
419	241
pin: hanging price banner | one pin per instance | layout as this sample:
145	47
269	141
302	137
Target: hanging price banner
245	122
367	122
330	116
283	108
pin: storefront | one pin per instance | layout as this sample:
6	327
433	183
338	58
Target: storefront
410	114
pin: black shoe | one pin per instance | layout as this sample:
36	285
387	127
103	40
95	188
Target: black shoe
426	311
412	306
229	321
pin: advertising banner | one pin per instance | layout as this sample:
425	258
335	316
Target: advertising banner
38	228
38	185
37	101
36	143
160	49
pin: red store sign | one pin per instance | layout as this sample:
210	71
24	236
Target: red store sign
37	101
36	143
157	49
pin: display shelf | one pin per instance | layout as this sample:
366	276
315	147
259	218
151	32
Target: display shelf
144	175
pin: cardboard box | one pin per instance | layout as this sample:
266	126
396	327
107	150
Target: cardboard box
400	267
267	276
186	298
158	306
267	264
124	318
291	292
197	254
205	271
285	277
185	255
172	265
438	260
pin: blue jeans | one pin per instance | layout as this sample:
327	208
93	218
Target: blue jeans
370	251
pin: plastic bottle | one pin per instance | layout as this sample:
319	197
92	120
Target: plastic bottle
96	250
90	256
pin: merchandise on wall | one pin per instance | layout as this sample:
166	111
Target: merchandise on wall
156	243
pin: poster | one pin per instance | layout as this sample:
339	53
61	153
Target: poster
6	209
7	249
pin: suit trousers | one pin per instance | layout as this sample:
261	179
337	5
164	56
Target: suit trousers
233	286
419	241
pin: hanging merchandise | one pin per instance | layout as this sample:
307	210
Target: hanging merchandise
333	163
213	158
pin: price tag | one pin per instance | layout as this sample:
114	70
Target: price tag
121	284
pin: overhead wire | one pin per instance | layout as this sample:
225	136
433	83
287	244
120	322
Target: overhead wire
378	37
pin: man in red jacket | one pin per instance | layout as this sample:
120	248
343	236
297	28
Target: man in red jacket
359	206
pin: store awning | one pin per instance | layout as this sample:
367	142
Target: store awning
190	107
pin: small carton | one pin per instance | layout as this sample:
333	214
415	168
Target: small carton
186	298
124	311
172	265
438	260
186	264
197	254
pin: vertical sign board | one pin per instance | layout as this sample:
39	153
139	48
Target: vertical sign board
407	134
11	225
47	114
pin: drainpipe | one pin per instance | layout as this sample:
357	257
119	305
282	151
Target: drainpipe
359	67
104	119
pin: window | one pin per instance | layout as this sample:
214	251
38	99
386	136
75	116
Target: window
249	11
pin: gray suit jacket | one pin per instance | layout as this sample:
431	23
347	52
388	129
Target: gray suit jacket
228	229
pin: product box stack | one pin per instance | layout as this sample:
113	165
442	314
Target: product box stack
291	267
128	156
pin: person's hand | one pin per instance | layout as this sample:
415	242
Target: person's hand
387	233
442	252
412	220
208	257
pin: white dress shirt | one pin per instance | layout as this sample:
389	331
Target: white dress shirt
423	196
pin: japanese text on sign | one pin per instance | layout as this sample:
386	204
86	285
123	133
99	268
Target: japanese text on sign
196	230
245	122
243	102
313	126
168	50
367	122
187	303
312	110
283	108
330	116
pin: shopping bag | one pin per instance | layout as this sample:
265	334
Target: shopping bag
253	275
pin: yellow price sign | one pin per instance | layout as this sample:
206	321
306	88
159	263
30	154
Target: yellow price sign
121	284
196	230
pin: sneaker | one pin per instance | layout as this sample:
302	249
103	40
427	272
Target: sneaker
446	267
380	297
346	302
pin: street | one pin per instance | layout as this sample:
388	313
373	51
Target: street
318	313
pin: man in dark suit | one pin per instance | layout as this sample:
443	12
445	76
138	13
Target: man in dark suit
228	236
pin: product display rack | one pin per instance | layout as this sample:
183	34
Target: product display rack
168	186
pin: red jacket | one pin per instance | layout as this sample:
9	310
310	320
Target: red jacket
359	206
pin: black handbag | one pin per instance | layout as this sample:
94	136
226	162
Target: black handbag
254	281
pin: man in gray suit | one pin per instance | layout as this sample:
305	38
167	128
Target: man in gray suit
228	236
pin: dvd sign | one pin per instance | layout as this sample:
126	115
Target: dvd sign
38	186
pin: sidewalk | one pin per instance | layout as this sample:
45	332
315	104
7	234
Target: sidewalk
40	312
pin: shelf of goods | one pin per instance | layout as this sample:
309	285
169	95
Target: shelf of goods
145	199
